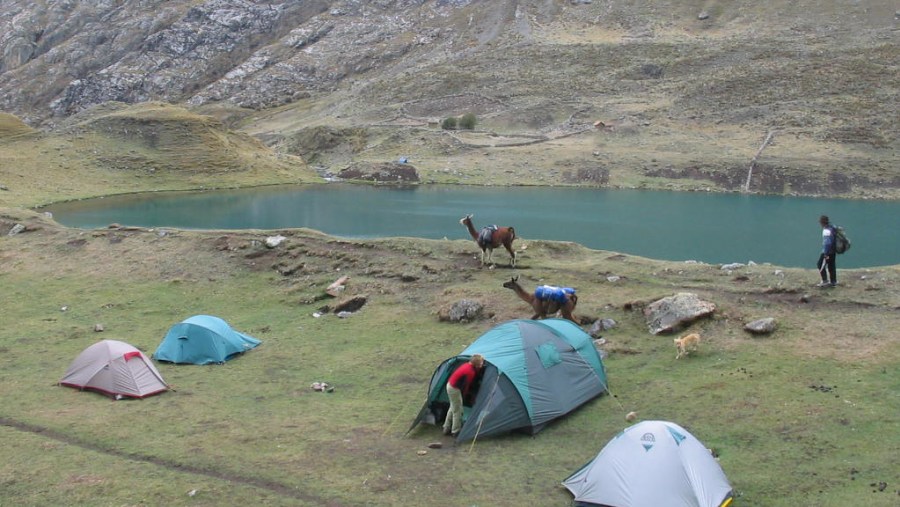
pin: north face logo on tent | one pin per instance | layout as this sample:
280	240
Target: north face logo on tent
648	440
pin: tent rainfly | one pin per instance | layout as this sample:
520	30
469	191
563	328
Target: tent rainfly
535	371
116	369
203	339
649	464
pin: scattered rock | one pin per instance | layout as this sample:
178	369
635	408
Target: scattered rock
601	325
337	287
322	387
98	328
4	187
274	241
732	266
422	452
16	229
761	326
631	416
674	312
387	172
703	15
435	445
351	305
465	310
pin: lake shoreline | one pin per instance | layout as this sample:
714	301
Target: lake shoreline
709	227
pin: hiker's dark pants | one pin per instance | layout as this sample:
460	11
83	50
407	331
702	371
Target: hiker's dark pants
830	266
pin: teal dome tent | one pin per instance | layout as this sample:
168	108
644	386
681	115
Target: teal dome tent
535	371
203	339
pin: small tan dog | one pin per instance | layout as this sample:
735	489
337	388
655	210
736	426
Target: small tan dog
686	344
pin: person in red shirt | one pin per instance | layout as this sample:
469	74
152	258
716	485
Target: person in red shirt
458	387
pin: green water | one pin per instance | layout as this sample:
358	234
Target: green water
706	227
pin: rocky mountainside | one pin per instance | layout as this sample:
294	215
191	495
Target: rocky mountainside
60	57
782	96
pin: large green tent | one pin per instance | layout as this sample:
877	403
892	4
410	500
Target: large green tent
203	339
535	371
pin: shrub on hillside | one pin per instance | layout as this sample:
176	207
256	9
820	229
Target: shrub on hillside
467	121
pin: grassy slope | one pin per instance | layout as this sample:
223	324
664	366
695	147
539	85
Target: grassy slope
120	149
253	431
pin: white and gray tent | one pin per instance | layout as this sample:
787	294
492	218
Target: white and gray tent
116	369
650	464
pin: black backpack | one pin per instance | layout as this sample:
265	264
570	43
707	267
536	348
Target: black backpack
841	241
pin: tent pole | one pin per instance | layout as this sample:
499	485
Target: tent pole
481	421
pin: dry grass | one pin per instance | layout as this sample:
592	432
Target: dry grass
123	149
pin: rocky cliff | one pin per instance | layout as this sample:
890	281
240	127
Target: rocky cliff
705	91
59	57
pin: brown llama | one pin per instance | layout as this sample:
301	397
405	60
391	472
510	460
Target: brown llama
490	238
544	307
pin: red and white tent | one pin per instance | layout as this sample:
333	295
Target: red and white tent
114	368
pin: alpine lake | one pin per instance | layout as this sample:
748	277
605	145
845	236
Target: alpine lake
679	226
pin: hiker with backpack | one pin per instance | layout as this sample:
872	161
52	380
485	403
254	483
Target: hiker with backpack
827	262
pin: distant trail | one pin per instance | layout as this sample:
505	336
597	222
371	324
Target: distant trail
274	487
756	157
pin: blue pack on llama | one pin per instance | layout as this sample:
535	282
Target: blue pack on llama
551	293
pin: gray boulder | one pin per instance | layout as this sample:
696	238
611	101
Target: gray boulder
465	310
761	326
601	325
675	312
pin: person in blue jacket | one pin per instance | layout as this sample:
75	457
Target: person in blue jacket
827	265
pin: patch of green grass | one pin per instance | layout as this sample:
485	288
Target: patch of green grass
802	417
